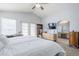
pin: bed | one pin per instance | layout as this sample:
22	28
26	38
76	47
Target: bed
29	46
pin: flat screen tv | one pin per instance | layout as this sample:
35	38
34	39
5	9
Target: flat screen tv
52	25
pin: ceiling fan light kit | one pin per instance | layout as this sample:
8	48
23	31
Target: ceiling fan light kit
37	5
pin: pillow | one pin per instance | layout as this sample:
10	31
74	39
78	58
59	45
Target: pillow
1	45
3	39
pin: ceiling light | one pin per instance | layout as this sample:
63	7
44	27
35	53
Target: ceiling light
38	5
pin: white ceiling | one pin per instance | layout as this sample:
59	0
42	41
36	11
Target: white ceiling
17	7
49	9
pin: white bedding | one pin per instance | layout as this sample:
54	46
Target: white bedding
16	40
31	46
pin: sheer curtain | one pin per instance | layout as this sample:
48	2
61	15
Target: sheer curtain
33	30
25	29
29	29
8	26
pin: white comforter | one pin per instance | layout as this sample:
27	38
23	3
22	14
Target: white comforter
31	46
16	40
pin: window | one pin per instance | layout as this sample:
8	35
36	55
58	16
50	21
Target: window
8	26
25	29
33	30
28	29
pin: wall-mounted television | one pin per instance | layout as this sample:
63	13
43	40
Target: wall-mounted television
52	25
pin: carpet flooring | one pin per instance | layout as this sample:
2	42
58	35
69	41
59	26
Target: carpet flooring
70	51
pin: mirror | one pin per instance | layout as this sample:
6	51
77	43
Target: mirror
63	29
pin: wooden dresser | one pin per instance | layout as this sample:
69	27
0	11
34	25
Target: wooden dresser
63	35
74	39
52	37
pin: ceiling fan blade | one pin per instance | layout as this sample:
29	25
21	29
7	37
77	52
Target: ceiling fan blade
42	8
33	7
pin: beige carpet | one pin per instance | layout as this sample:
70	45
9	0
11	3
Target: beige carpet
70	51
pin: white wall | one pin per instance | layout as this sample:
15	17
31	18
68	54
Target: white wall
72	15
21	17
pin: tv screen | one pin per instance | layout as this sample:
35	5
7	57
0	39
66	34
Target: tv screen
52	25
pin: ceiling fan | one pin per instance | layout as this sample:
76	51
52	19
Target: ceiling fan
38	5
